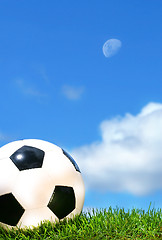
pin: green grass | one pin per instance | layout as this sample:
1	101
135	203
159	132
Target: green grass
97	224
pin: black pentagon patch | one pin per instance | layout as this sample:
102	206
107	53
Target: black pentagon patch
10	210
28	157
71	160
62	201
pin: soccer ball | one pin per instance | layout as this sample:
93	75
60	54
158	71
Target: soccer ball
38	181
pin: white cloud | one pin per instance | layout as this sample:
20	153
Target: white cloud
72	93
28	89
4	137
41	71
129	156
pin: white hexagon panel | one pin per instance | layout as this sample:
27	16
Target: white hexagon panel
38	181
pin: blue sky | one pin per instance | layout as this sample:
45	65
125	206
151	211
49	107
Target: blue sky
56	84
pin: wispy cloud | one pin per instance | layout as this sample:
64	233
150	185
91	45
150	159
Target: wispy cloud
44	75
28	89
129	156
40	70
72	93
4	137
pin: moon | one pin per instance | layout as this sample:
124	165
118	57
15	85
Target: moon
111	47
